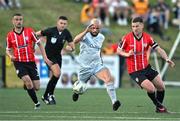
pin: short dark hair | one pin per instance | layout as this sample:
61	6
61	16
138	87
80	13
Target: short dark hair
137	19
17	14
63	17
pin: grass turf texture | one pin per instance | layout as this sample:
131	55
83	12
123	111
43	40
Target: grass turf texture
93	105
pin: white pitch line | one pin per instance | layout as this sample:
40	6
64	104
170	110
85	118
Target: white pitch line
75	112
92	117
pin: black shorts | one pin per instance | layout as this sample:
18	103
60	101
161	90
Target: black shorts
147	73
55	60
26	68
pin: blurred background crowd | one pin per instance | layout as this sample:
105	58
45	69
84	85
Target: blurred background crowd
157	17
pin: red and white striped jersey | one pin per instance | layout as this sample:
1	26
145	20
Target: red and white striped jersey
22	44
138	60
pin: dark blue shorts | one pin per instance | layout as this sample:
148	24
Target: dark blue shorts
141	75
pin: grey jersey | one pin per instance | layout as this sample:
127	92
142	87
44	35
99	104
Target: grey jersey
90	49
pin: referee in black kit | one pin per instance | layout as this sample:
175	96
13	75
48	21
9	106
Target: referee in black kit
56	38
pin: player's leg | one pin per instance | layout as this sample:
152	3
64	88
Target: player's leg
83	75
30	89
143	81
105	75
34	76
24	72
36	84
160	93
158	83
149	87
49	92
155	78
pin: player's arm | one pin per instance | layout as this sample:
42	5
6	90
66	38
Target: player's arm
164	56
38	33
80	36
10	54
44	54
9	50
38	42
70	47
121	51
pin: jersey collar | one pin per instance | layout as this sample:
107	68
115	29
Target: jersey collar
137	38
20	32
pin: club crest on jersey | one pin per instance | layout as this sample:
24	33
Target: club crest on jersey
53	40
145	45
26	38
137	80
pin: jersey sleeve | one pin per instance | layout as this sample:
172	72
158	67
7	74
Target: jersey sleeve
152	43
68	36
46	32
8	42
123	43
34	37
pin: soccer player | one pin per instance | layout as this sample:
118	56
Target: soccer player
20	49
56	38
134	46
90	60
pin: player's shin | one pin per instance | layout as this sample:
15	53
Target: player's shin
54	81
160	95
111	91
152	96
32	94
51	86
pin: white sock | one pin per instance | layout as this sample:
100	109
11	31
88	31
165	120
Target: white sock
111	91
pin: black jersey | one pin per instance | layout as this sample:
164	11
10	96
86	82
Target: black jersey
55	40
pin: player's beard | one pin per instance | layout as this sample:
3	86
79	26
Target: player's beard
19	26
94	34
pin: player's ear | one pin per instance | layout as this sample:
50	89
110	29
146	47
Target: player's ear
142	25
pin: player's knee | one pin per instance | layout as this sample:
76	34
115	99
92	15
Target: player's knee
108	79
36	88
161	88
150	90
57	74
29	85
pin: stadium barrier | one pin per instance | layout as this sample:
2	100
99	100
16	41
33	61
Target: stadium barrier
165	66
69	72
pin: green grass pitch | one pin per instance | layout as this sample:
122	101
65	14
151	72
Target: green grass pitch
95	104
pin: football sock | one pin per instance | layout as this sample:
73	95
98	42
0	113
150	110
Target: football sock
111	92
32	94
152	96
160	96
51	85
54	81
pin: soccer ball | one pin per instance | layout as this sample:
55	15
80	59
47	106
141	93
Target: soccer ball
79	87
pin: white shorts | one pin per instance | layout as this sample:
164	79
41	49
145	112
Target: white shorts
86	73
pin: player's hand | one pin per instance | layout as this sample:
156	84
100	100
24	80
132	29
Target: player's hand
69	48
88	28
171	63
47	61
131	52
12	57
